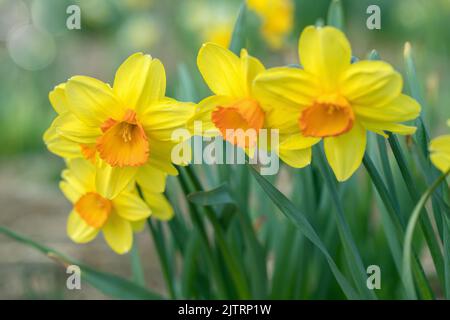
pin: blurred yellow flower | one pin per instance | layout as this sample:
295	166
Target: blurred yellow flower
440	152
277	19
93	211
235	105
219	33
334	100
127	128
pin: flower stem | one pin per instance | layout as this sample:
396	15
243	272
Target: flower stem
407	275
355	262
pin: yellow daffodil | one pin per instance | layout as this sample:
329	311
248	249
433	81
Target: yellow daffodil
277	17
334	100
235	105
127	127
93	211
69	150
440	152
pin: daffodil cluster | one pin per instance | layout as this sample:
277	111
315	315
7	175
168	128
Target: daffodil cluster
116	138
328	98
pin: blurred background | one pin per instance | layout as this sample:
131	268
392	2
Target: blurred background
37	52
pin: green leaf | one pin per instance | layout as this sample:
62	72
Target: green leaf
216	196
355	262
239	35
407	274
107	283
425	222
186	89
335	15
136	265
302	223
161	248
395	228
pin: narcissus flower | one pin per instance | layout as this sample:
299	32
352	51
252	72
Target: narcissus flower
56	143
236	108
334	100
440	152
127	127
93	211
277	17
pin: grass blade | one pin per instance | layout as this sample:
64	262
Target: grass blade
407	274
302	223
335	15
355	262
239	35
107	283
136	265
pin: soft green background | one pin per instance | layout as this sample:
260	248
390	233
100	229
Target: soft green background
37	52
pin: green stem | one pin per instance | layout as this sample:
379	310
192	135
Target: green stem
199	225
425	222
407	274
400	226
355	262
236	271
136	265
158	239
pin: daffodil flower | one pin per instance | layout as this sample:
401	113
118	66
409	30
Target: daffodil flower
277	19
440	152
334	100
128	127
69	150
93	211
235	107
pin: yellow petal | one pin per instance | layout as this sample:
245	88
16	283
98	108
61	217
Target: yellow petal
440	144
131	207
61	146
295	158
92	101
118	234
160	156
222	71
78	179
380	127
70	127
285	89
345	152
297	141
251	67
326	53
71	192
441	161
78	230
403	108
84	171
440	153
140	80
371	83
161	208
110	181
152	179
283	119
58	99
161	118
203	115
